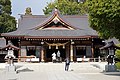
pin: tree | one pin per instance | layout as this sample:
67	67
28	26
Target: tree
28	11
104	17
7	22
117	54
66	7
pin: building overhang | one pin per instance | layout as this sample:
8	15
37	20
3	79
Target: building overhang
51	37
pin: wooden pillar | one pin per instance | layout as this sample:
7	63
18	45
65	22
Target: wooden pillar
67	51
92	52
71	52
92	48
19	51
74	53
19	55
42	55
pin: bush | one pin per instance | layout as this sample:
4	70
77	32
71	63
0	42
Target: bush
117	54
118	65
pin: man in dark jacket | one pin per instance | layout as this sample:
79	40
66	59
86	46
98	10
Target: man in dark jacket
67	63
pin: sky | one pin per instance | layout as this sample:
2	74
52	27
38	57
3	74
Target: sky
19	6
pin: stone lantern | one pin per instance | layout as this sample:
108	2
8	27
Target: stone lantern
10	56
111	47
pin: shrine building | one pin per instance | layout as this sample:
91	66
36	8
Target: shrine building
42	35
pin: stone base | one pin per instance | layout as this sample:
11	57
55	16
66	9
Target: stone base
11	76
10	68
10	72
110	68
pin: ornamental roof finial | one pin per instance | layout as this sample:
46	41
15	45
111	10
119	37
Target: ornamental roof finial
56	8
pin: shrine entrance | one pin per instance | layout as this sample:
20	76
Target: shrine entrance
53	49
80	51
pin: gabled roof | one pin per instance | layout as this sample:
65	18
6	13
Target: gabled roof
33	26
10	46
116	41
110	45
55	17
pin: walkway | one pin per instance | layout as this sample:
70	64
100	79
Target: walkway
55	71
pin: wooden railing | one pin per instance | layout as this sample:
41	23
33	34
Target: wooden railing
23	59
91	59
98	59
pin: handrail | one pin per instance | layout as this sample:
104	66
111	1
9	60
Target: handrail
92	59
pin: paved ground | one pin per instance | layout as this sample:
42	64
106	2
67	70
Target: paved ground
55	71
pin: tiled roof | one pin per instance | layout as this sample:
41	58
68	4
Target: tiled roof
116	41
110	45
10	45
27	23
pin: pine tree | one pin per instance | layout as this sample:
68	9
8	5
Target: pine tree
7	22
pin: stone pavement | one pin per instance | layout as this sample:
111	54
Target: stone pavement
55	71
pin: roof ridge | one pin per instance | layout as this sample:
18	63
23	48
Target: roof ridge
34	16
55	14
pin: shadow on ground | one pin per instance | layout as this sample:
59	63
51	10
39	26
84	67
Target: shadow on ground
112	73
20	68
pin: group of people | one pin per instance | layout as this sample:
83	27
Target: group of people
56	57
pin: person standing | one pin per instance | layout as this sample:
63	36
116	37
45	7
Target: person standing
67	63
58	56
54	57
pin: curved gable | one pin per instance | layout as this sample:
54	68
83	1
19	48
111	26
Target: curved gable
55	21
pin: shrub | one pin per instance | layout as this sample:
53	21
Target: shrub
117	54
118	65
